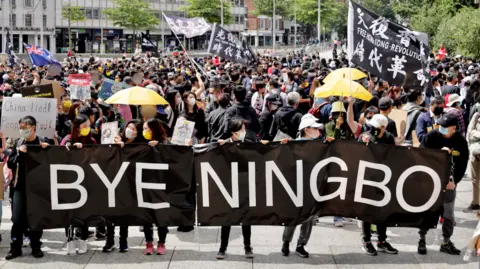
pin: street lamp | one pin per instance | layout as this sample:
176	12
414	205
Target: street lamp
274	34
318	23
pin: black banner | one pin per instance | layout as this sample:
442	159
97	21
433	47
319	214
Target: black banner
245	183
147	45
388	50
227	46
38	91
68	187
287	184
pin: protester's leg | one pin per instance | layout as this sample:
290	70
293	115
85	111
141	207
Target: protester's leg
475	171
305	232
110	232
382	244
123	233
366	231
19	219
162	234
224	236
448	225
148	232
382	233
422	243
35	237
247	234
288	232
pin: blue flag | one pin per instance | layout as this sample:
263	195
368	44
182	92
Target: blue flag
110	87
40	56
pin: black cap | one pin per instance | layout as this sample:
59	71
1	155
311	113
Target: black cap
274	99
448	120
385	103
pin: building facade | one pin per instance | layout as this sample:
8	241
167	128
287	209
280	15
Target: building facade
259	28
40	22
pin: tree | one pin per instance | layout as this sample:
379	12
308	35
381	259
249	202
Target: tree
307	11
380	7
132	14
210	10
72	14
460	34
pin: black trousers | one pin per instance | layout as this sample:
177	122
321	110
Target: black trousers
111	232
225	235
367	234
162	234
20	224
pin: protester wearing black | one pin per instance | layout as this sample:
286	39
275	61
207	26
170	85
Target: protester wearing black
216	119
428	121
414	109
451	87
385	105
241	109
447	138
266	119
288	118
19	205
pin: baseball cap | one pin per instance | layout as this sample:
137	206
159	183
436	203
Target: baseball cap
454	98
448	120
274	99
378	121
385	103
309	121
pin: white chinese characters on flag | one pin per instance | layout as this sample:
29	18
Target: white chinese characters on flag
190	27
227	46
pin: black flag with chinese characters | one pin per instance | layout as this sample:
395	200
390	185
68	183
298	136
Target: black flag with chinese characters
12	57
226	45
147	45
387	50
190	27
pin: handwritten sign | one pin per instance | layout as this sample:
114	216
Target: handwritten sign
183	131
44	110
80	86
109	131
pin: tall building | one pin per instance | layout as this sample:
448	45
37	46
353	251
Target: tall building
40	22
259	28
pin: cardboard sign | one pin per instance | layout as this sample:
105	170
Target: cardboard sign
39	91
183	131
44	110
79	86
57	87
399	116
109	131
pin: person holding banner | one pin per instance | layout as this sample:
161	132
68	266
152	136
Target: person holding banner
29	138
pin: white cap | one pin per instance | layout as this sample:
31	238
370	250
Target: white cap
454	98
308	120
378	121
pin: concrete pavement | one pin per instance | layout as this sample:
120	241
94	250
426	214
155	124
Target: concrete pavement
329	247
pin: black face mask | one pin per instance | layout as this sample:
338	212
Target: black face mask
375	131
437	111
369	118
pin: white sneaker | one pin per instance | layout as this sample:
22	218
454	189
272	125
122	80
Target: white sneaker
71	248
82	247
338	223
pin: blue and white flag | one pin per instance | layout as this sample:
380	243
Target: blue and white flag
40	56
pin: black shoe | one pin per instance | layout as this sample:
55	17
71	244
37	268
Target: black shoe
422	247
185	229
300	251
369	249
449	248
100	236
248	252
221	254
37	253
386	247
471	208
123	246
109	246
13	253
286	248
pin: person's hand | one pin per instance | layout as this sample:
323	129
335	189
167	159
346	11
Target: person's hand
43	145
121	144
451	186
478	252
330	139
189	142
339	122
221	142
78	145
284	141
365	139
1	134
117	139
23	149
55	136
153	143
351	100
264	142
447	149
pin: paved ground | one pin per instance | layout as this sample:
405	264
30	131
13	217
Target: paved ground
330	247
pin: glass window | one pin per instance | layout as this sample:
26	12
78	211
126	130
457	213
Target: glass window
28	20
13	2
88	13
28	3
44	20
13	20
44	3
262	24
96	14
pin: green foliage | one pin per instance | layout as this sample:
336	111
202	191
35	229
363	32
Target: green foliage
429	18
380	7
72	14
210	10
133	14
265	7
460	34
307	11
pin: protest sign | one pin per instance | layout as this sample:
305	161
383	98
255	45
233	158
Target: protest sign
182	131
44	110
110	87
109	131
57	88
79	86
399	116
39	91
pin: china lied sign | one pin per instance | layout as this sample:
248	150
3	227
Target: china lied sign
44	110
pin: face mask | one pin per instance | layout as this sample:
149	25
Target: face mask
240	135
191	101
213	98
188	73
318	101
443	130
130	134
25	133
375	131
147	134
108	73
179	100
273	107
67	104
437	111
313	134
84	131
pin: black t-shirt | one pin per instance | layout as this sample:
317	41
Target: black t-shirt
392	127
21	163
450	89
387	138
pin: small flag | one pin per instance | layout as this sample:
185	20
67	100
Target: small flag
147	45
40	56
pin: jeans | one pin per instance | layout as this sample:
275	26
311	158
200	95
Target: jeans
162	234
367	233
305	232
225	235
111	232
448	219
20	224
475	169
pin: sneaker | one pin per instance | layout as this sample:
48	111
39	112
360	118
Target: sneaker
37	253
140	229
369	249
148	249
386	247
13	253
441	220
100	236
422	247
161	250
185	229
221	254
109	246
82	247
338	223
286	248
300	251
248	252
471	208
449	248
123	246
71	248
26	241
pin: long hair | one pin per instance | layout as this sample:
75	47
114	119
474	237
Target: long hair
158	132
75	132
138	125
185	102
315	85
72	113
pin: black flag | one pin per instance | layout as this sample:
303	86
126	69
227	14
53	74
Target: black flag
12	58
387	50
226	45
147	45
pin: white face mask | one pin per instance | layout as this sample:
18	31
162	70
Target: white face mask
130	134
313	134
273	107
240	135
191	101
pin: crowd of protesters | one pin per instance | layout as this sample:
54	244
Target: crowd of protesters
270	98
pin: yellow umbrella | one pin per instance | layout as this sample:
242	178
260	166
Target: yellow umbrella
343	87
136	96
348	73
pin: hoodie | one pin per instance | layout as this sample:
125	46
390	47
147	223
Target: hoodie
245	111
287	119
413	111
